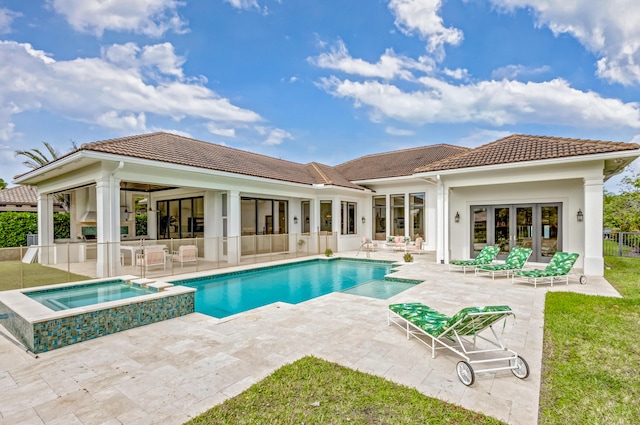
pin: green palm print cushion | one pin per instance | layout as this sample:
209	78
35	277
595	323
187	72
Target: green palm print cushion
485	256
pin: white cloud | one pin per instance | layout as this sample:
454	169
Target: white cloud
495	103
389	66
149	17
226	132
6	19
480	136
399	131
109	91
512	72
276	136
457	74
609	28
244	4
422	16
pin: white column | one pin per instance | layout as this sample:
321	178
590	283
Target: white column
108	221
233	225
440	222
212	224
592	226
46	253
388	217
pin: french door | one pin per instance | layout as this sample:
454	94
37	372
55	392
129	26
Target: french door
535	226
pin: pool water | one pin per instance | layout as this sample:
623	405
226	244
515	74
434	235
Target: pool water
83	295
223	295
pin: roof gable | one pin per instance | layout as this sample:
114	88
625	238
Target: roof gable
523	148
396	163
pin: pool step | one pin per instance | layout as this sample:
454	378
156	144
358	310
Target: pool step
142	282
160	286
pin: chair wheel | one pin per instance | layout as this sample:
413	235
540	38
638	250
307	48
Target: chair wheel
465	373
520	367
583	280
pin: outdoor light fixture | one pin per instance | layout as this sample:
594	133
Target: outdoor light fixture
364	220
457	217
295	219
580	215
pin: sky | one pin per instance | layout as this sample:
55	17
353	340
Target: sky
316	80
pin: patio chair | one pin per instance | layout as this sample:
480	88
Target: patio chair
152	257
515	261
415	247
437	331
557	270
485	256
185	254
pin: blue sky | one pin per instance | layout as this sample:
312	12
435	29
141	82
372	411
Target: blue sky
325	80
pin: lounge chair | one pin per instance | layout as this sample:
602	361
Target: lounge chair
485	256
515	261
557	270
185	254
152	257
437	331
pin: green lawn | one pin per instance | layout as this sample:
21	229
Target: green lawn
591	363
590	375
17	275
313	391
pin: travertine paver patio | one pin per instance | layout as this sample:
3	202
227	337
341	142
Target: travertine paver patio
170	371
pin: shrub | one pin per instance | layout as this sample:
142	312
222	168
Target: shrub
328	252
15	226
141	224
408	258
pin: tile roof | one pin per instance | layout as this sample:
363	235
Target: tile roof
396	163
175	149
19	195
325	174
524	148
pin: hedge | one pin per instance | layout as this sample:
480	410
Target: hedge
15	226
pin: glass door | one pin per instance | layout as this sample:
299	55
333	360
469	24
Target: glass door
535	226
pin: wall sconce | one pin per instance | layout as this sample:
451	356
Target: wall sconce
364	220
457	217
580	215
295	219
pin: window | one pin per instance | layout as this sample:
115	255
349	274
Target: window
397	215
348	218
416	215
181	218
257	216
306	215
379	217
325	216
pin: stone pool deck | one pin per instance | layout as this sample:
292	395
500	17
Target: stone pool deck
169	372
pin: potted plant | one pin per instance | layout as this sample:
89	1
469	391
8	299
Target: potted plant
328	252
408	258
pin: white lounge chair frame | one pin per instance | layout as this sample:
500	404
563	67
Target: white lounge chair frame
459	344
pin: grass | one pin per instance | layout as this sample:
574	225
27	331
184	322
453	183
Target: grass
591	359
17	275
314	391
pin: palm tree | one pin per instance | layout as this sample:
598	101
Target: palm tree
3	184
36	158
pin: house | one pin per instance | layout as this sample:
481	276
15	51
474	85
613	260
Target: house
542	192
23	199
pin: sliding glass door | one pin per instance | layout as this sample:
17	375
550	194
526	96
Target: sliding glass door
534	226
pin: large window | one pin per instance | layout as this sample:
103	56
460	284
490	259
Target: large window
181	218
325	216
416	215
306	217
348	218
379	217
263	216
397	215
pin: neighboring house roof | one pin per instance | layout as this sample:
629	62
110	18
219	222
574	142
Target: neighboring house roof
397	163
21	198
174	149
19	195
522	148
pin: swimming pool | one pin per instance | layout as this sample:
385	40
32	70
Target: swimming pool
83	295
230	293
